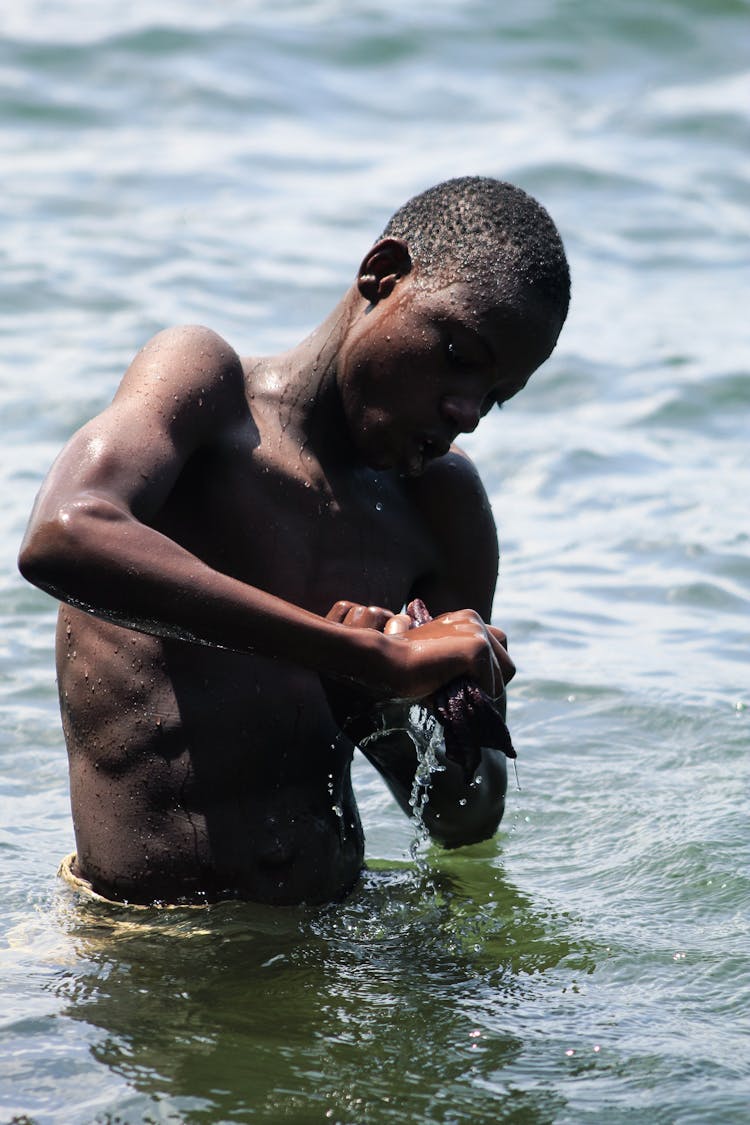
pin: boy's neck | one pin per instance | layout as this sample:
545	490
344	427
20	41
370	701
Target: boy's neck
301	385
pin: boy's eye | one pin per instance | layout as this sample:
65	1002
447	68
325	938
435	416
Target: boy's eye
455	356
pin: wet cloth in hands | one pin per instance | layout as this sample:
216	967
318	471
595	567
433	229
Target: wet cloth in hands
469	717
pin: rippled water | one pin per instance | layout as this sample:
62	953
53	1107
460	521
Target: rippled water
229	164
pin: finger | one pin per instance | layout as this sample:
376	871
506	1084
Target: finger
368	617
499	635
499	669
338	611
398	623
505	661
498	683
488	677
485	669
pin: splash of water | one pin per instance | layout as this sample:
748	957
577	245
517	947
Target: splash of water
426	734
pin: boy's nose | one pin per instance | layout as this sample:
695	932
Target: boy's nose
462	412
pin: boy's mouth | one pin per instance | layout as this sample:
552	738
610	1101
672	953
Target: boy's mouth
426	450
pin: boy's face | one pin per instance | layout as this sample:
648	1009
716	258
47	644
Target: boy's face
424	365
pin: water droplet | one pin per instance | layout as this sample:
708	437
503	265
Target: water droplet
378	507
462	802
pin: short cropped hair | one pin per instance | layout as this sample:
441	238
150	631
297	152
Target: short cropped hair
482	228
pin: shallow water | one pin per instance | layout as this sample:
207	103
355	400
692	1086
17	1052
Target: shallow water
229	164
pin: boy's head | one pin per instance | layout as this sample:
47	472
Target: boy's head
488	234
467	290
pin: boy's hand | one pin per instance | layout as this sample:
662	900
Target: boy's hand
423	660
369	617
451	646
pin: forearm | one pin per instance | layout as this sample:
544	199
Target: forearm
92	552
96	556
457	812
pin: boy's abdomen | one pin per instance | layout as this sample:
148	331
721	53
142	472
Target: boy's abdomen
285	854
202	775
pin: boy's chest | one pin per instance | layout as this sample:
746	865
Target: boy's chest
281	523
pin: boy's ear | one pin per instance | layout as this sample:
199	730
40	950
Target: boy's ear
382	267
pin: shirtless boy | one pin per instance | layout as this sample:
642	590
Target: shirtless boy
233	540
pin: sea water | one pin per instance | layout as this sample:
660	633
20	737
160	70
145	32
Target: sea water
229	164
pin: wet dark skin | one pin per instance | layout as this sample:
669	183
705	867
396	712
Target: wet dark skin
232	541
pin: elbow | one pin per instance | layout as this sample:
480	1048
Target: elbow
473	813
54	545
43	550
460	831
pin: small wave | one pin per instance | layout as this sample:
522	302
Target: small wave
706	404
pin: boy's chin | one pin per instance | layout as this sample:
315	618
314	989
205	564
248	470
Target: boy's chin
406	467
414	468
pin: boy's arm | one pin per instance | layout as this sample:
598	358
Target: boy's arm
91	540
455	506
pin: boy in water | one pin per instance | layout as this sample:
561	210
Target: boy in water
232	541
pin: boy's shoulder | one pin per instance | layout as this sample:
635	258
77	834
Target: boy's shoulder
451	485
454	505
184	371
189	350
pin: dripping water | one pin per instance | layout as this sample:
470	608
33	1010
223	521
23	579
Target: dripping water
426	735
